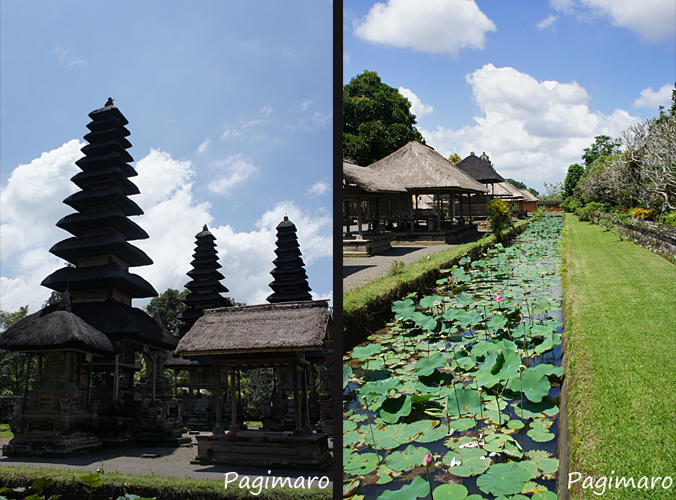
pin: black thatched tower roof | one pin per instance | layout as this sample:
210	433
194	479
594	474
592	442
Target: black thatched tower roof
99	248
205	287
290	281
51	329
480	168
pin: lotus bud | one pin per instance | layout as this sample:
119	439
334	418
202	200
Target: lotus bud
427	461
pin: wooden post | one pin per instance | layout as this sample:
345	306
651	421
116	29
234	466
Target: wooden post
116	382
461	217
218	429
154	375
359	221
89	389
306	408
233	401
469	200
29	358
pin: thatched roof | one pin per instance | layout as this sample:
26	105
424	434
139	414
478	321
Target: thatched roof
507	190
289	326
479	169
369	180
527	195
418	167
50	330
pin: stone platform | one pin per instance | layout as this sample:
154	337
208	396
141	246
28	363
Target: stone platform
262	448
369	245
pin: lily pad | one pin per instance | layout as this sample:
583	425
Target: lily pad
394	408
362	353
545	495
387	437
425	366
347	373
466	399
450	492
426	431
361	464
418	488
472	461
503	479
407	459
535	385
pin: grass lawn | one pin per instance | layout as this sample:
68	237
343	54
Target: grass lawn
5	432
620	304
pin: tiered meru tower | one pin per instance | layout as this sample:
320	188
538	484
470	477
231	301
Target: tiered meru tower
100	285
289	279
205	287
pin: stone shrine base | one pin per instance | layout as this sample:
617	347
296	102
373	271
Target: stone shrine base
263	448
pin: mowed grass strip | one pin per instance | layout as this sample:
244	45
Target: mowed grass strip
620	304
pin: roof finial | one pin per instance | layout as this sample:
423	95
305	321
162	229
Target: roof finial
205	228
109	102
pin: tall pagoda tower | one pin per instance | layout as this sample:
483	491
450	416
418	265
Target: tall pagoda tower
205	287
99	249
290	283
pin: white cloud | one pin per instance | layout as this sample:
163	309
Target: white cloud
651	20
652	99
417	107
436	26
68	60
321	120
319	188
306	105
203	147
548	22
346	58
267	110
531	130
238	169
247	257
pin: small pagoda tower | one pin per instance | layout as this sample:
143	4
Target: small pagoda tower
290	282
205	287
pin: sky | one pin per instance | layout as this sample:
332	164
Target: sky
531	83
230	112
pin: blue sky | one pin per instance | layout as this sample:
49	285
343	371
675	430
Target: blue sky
530	83
230	113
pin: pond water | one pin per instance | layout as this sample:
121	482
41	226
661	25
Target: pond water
470	375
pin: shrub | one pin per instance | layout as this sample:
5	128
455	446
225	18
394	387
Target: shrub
594	208
571	204
669	219
396	268
539	213
500	218
643	214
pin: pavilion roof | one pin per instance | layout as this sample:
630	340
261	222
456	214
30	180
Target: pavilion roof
527	195
479	169
51	330
369	180
506	189
286	326
416	167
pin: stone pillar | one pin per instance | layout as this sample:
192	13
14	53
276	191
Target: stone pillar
296	403
461	220
359	221
233	401
218	428
90	358
469	201
154	377
306	407
116	382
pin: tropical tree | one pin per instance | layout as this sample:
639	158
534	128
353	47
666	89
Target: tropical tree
166	308
603	146
377	119
12	364
575	173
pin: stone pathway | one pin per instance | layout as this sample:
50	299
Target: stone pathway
358	271
170	462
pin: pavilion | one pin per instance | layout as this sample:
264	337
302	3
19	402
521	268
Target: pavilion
418	170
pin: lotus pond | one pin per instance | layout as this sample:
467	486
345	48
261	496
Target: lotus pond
470	376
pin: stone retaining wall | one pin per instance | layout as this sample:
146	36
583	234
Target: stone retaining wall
659	238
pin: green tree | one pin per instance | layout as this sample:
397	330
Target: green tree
603	146
167	306
522	185
500	218
575	173
12	364
454	159
377	119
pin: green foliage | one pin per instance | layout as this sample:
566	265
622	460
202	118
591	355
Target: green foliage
571	204
585	213
500	218
575	173
522	185
12	364
396	267
166	307
376	119
539	213
554	191
603	146
642	214
8	318
454	159
669	219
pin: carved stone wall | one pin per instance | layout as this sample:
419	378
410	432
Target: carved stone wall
659	238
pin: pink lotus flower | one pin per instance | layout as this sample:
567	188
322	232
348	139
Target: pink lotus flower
427	461
436	303
498	298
